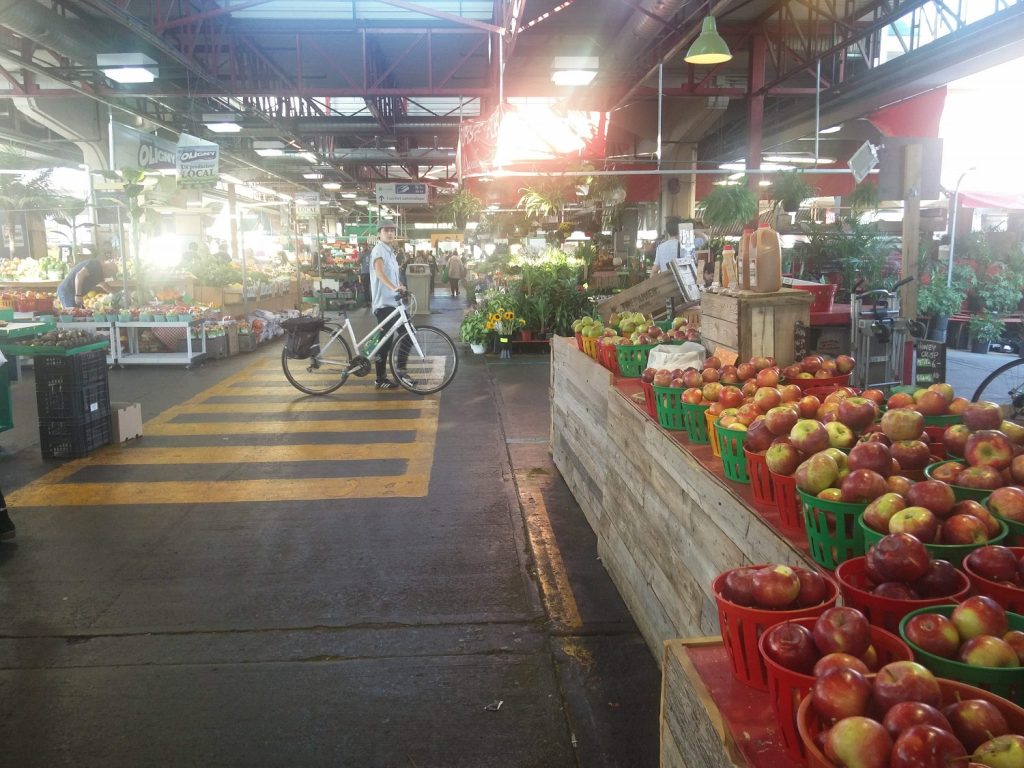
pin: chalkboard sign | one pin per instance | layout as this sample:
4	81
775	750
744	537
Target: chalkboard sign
931	363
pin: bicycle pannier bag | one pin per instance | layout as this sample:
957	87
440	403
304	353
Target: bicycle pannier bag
303	336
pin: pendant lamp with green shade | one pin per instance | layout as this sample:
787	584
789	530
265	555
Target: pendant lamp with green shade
709	47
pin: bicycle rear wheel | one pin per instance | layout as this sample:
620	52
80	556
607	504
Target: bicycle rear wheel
431	371
323	372
1005	386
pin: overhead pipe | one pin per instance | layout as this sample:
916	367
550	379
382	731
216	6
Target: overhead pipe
77	39
343	125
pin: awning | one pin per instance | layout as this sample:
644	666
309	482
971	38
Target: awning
991	200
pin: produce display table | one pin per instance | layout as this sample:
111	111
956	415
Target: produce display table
710	718
105	329
666	519
134	356
839	315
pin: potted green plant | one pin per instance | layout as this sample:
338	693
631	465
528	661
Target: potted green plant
939	301
984	329
461	207
729	206
474	330
789	189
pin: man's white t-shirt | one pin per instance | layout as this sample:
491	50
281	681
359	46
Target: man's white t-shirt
380	294
668	251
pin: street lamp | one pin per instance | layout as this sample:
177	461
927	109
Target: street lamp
952	224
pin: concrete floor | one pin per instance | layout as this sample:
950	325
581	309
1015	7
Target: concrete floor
424	592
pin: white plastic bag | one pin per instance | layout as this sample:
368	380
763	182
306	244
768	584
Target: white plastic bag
672	356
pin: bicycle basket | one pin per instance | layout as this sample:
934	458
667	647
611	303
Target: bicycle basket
303	335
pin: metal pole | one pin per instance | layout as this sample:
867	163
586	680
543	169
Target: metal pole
952	225
661	84
817	111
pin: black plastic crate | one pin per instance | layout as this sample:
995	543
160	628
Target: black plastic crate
73	438
83	368
58	398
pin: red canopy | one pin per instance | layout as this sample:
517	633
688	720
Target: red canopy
991	200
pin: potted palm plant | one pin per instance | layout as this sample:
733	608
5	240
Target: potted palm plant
461	207
939	300
789	189
729	206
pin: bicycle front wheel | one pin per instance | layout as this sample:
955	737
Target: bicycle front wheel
1005	386
429	369
324	371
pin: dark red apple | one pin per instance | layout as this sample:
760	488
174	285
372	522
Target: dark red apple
813	587
901	557
775	587
857	412
941	580
907	714
759	437
871	455
982	415
791	646
964	529
989	448
895	590
934	633
984	478
837	661
975	721
993	562
839	693
858	742
905	681
925	746
863	486
842	630
979	615
911	454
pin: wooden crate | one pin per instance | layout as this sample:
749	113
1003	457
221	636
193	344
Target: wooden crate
754	324
648	297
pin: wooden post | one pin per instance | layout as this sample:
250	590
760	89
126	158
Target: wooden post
911	226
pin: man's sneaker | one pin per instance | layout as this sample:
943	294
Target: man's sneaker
387	384
7	530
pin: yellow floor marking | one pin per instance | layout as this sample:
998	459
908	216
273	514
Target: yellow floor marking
52	490
408	485
239	454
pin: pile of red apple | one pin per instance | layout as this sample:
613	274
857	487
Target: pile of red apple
774	587
841	637
742	380
898	567
936	400
896	719
818	367
929	511
991	446
977	633
998	564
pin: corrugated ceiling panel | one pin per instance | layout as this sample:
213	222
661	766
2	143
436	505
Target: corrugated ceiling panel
366	10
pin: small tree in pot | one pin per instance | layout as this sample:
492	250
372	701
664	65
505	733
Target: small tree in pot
984	329
789	190
939	301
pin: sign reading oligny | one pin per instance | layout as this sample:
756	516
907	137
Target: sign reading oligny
196	161
403	193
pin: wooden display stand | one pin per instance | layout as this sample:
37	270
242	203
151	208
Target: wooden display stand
648	297
666	519
755	324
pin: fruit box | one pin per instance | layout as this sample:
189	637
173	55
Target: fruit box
126	421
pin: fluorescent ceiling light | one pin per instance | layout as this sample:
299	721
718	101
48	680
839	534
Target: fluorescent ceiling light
362	202
833	129
472	224
223	127
227	178
764	183
309	157
333	185
269	152
127	68
574	70
346	195
313	176
222	122
799	159
742	166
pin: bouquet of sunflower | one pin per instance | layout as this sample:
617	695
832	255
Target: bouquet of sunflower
504	322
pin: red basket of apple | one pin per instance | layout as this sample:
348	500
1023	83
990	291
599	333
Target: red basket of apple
998	572
896	577
796	652
975	642
753	598
905	717
816	371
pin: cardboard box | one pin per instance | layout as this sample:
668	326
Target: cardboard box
232	337
126	419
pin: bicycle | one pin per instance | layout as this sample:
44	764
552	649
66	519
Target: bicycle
1005	386
423	358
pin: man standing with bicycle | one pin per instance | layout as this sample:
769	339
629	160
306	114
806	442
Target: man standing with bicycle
385	289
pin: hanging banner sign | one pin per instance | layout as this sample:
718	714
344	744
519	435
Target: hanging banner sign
403	193
307	211
135	149
197	161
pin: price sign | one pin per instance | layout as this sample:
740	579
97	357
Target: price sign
931	363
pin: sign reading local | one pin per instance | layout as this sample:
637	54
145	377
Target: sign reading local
197	162
397	193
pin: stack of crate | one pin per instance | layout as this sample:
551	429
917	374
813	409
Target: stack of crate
73	398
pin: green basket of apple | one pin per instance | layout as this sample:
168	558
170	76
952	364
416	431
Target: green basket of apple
1007	504
976	642
968	482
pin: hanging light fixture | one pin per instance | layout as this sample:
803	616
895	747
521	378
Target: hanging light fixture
709	47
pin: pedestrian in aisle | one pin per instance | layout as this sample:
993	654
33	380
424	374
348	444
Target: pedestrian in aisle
7	530
82	278
669	250
456	272
386	289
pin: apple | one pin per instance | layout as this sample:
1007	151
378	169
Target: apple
989	448
958	405
940	580
964	529
984	478
745	371
988	651
783	458
946	390
712	393
839	693
932	404
902	424
979	615
858	742
1015	639
905	681
729	396
911	454
775	586
767	398
947	471
839	661
840	435
925	746
934	495
874	395
747	412
907	714
842	630
816	473
692	395
900	557
781	419
982	415
872	455
737	426
831	494
677	384
791	372
809	406
900	400
710	375
813	589
692	378
919	522
845	364
955	439
1008	502
749	388
857	412
761	362
759	438
899	484
840	458
791	393
934	633
1006	751
1012	430
1017	468
863	486
809	436
738	585
728	375
974	509
811	363
975	721
878	513
791	646
712	362
895	590
767	377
